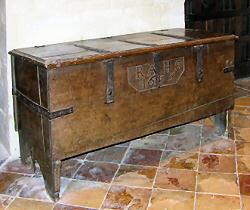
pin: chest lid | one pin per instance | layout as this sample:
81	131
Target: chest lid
72	53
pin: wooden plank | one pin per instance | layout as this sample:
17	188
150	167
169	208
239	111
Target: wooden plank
71	53
188	34
150	39
109	44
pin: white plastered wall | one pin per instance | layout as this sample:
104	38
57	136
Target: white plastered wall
35	22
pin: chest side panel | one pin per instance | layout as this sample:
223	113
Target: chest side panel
30	81
30	96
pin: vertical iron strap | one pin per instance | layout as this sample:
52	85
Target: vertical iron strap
199	62
110	90
156	57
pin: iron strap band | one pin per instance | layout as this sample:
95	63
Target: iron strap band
174	36
39	109
199	62
110	89
156	58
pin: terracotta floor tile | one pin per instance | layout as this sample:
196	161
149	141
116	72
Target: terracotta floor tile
231	134
110	154
81	157
209	121
243	148
217	163
121	197
244	164
137	176
218	183
245	202
219	146
175	179
244	184
10	183
157	142
69	167
66	207
5	201
185	138
125	144
84	193
184	129
240	120
179	160
25	204
35	189
242	134
243	101
199	122
16	166
177	130
143	157
241	109
164	132
97	171
210	134
161	137
244	82
213	202
170	200
239	92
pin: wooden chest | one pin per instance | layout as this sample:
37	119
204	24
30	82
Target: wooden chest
76	97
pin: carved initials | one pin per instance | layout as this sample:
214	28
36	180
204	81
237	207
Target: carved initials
144	77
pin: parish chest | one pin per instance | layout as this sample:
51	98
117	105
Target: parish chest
75	97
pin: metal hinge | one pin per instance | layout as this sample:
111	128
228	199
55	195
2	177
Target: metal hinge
110	90
199	62
39	109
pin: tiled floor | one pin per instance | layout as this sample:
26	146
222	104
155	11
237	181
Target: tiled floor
186	168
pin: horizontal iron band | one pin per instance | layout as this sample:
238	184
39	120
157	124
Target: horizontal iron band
92	48
39	109
138	43
174	36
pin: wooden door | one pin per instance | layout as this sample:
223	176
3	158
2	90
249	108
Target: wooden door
224	16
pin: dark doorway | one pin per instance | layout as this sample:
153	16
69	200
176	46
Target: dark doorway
224	16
